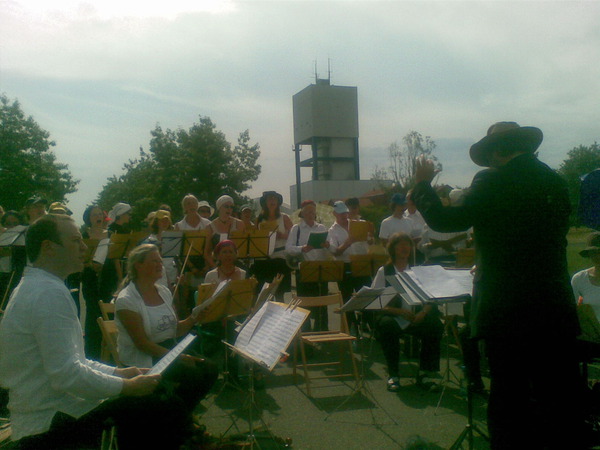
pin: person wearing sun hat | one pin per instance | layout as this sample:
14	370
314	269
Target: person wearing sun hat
272	218
523	305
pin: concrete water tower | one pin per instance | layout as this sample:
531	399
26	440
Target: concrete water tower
326	121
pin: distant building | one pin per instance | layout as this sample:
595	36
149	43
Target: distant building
326	120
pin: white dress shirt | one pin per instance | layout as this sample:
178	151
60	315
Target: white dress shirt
296	241
42	359
392	225
337	236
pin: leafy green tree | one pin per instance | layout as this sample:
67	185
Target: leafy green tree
402	159
580	161
199	161
28	166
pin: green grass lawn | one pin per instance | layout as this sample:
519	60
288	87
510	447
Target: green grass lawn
577	239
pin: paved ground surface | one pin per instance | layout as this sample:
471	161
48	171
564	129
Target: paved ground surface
338	417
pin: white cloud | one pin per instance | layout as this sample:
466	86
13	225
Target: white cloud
102	76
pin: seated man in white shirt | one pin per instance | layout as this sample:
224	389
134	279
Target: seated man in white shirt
57	397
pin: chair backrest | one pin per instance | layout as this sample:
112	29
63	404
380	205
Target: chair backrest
109	331
106	309
325	300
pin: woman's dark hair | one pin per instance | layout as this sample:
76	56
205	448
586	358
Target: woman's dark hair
395	239
12	213
87	214
264	213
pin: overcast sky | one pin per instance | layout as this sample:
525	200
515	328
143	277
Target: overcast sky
99	76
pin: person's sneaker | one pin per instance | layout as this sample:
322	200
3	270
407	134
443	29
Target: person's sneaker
393	384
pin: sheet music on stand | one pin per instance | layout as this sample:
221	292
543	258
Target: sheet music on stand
166	360
363	298
432	284
209	301
269	333
442	284
14	236
374	299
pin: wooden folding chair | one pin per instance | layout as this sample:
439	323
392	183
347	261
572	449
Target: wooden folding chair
340	336
109	351
106	309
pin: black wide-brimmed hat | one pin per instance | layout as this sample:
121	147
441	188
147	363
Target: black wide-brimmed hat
266	194
593	245
502	135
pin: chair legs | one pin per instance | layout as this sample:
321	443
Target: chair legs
304	366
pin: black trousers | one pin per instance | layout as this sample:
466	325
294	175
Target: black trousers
318	314
429	331
160	420
535	395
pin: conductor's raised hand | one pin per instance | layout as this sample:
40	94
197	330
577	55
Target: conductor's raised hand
424	169
140	385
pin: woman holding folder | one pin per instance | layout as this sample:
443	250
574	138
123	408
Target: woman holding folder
397	320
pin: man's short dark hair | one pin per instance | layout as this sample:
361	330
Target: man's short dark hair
43	229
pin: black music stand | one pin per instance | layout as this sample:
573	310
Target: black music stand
261	346
366	266
470	427
361	386
253	244
321	272
234	300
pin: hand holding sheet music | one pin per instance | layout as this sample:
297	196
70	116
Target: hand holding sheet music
166	360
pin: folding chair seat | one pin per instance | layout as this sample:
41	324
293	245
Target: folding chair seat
316	339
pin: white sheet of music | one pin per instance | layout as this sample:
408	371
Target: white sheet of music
101	251
441	283
166	360
386	296
13	236
364	297
269	333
